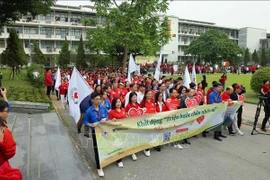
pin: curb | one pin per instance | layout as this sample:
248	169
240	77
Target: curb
77	145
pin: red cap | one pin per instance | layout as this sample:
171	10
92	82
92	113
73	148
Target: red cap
238	86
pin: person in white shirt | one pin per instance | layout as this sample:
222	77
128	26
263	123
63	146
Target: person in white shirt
35	73
141	93
133	88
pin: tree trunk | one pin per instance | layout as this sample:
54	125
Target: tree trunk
125	59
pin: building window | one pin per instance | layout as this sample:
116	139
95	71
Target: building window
30	30
18	29
46	31
47	44
75	18
59	44
62	32
74	44
61	17
76	32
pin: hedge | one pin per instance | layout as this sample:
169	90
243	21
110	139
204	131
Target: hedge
257	79
37	82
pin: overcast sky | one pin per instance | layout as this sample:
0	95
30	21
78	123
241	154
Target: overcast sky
235	14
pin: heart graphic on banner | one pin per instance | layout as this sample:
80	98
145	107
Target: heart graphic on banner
241	97
135	112
200	119
190	102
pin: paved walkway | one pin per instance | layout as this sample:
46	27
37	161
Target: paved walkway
44	149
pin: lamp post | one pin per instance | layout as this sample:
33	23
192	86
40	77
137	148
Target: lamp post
239	56
30	58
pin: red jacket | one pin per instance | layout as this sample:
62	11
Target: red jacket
172	103
225	96
63	89
163	108
48	79
7	146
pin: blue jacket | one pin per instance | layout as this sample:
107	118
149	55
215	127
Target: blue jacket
85	104
214	97
93	116
107	104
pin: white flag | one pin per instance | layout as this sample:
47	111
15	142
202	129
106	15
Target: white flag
57	79
157	71
186	78
194	79
78	89
131	67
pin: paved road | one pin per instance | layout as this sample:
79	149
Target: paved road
237	157
44	150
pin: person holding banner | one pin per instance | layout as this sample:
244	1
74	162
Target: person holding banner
160	103
117	112
150	108
215	97
188	101
200	93
132	103
94	115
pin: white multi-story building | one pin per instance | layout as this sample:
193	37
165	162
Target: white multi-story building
51	30
250	38
184	31
66	22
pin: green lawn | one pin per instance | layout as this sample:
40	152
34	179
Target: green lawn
243	79
19	81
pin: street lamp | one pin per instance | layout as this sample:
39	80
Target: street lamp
239	56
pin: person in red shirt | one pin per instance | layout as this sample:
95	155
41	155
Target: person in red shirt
123	92
265	87
117	112
148	103
132	103
172	102
115	92
63	91
160	104
223	79
48	82
200	92
226	96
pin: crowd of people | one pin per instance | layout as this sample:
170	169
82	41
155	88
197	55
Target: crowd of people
113	97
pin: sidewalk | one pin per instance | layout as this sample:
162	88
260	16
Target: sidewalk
44	149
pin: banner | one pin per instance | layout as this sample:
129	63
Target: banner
145	59
120	138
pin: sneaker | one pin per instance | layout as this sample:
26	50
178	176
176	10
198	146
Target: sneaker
134	157
79	131
120	164
100	172
240	133
218	138
146	153
232	133
179	146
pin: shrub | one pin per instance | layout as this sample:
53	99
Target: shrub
37	82
257	79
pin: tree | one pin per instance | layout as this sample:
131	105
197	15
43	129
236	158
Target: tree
12	10
246	57
64	55
263	57
213	46
81	58
38	57
14	55
255	57
131	26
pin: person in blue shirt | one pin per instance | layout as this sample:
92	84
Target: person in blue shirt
104	100
84	105
94	115
215	97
